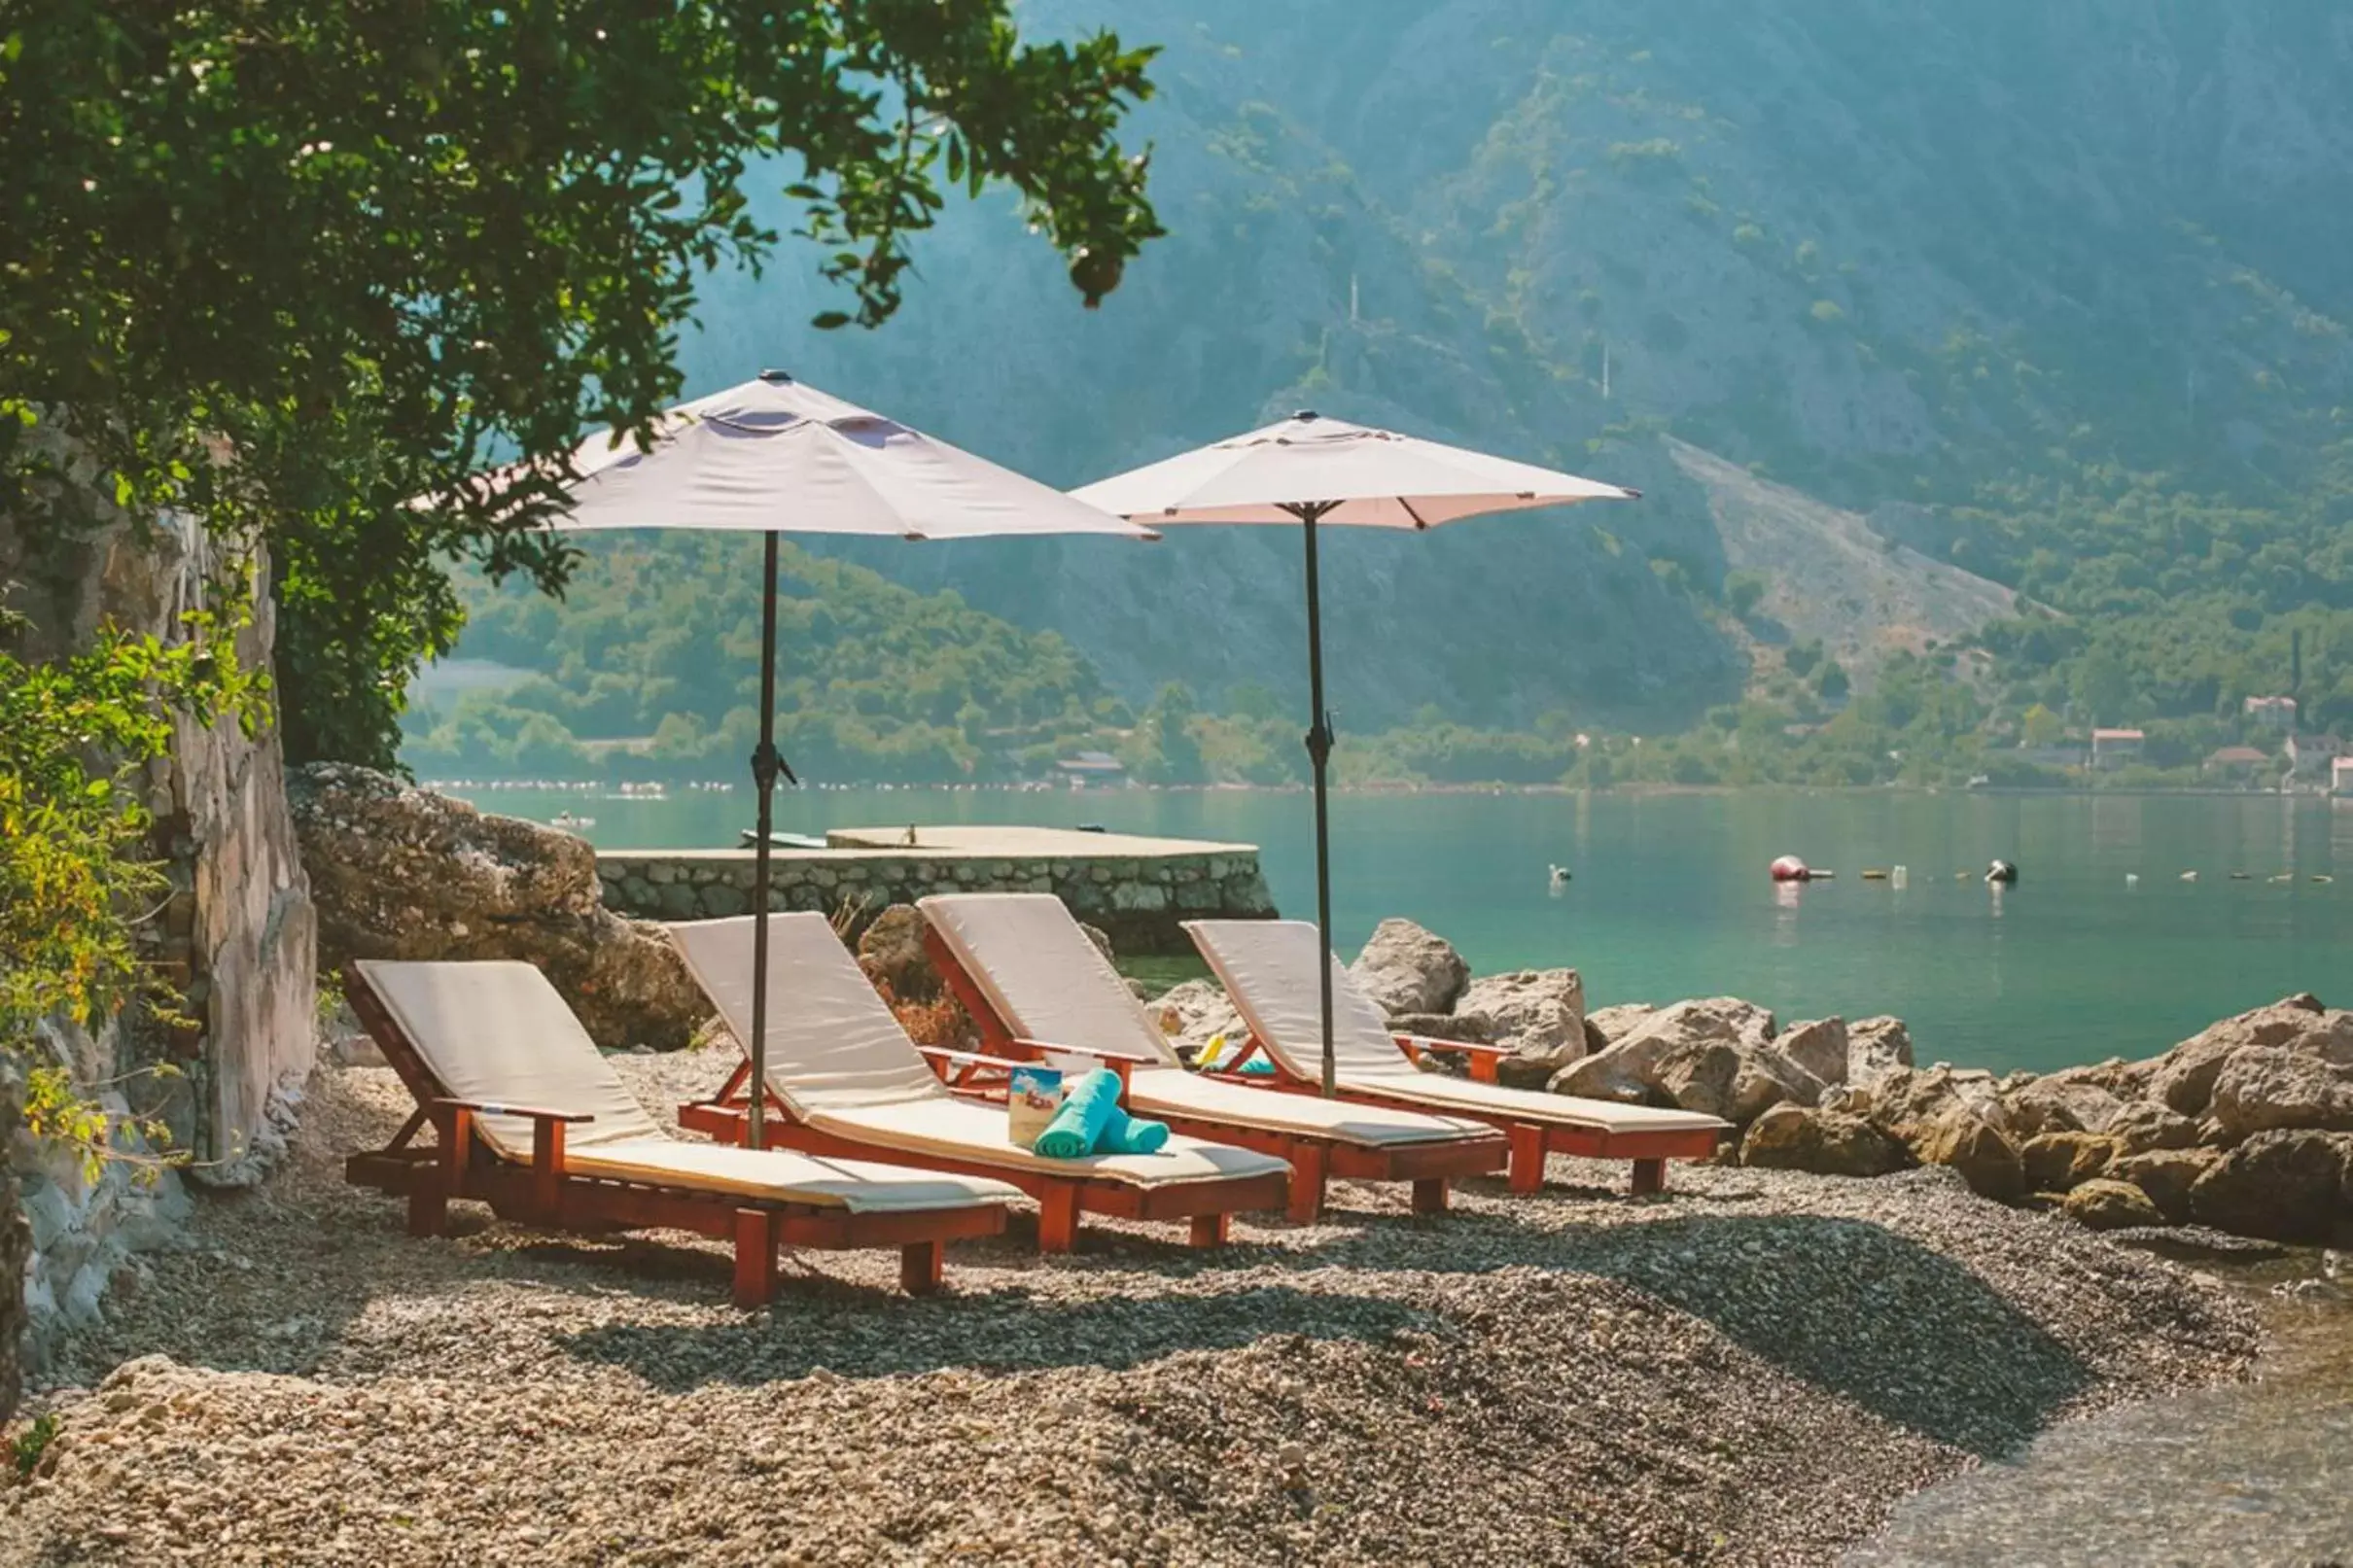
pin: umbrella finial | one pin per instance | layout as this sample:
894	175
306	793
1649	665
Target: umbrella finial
1306	413
776	377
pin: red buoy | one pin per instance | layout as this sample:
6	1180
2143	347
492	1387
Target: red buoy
1789	868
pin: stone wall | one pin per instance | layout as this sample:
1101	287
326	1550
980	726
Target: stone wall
1137	899
235	936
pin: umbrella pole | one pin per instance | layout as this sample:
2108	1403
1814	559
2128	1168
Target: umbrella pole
1319	756
765	765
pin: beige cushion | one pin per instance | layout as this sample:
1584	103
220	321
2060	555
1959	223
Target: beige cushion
1442	1092
831	1041
1045	979
970	1130
1050	983
855	1185
1173	1091
1269	969
498	1031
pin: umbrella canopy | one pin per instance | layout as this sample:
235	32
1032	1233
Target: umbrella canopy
1347	473
774	456
778	455
1309	470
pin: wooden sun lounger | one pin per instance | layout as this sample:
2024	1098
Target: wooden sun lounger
1268	969
844	1079
1040	990
635	1182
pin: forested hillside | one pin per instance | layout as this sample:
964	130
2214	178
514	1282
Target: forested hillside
2054	295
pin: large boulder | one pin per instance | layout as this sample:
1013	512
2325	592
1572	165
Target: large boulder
1820	1047
1791	1137
1767	1078
1906	1101
1979	1151
2059	1102
399	872
2287	1185
1538	1013
2166	1175
1408	969
2111	1205
890	951
2140	1126
1617	1020
1876	1046
1698	1075
2059	1161
2183	1076
1629	1069
2263	1087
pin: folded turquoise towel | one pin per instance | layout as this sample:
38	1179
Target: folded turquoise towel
1258	1068
1129	1135
1085	1111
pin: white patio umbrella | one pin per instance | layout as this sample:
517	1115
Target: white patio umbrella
774	456
1312	470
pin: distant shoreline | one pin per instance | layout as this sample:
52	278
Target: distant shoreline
662	788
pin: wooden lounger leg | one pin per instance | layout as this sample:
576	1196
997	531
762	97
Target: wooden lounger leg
427	1210
1057	1217
1309	1163
1210	1230
920	1266
1528	1158
1650	1176
755	1257
1429	1195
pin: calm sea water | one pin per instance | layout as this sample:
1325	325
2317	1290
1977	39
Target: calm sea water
1670	896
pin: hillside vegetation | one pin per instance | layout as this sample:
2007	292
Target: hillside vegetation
2039	301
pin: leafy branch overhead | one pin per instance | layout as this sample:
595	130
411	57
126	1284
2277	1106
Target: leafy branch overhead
290	266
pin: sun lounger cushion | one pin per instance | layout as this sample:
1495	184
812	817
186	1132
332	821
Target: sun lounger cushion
965	1129
1268	967
1049	983
497	1033
860	1187
841	1063
1042	974
831	1040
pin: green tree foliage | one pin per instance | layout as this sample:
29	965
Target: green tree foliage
287	265
1163	748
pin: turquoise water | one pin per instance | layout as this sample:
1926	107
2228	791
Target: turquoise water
1670	898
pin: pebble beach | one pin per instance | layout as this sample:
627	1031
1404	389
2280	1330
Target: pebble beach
1753	1368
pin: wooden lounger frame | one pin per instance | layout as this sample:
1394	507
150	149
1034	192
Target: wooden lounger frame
1315	1159
547	1195
1530	1139
1210	1206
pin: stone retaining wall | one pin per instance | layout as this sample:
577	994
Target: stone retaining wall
1136	899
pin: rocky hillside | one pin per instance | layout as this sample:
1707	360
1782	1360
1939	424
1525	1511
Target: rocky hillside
1828	577
1930	268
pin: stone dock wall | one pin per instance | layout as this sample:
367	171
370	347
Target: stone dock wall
1137	899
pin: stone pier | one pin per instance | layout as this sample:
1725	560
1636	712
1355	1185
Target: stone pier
1136	889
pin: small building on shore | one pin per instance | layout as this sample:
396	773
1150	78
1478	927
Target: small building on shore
2341	775
2272	713
2113	748
1091	769
2238	761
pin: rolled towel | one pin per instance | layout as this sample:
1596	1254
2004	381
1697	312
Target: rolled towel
1085	1111
1129	1135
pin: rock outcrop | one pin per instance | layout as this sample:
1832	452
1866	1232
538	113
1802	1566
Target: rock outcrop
401	872
1407	969
890	951
2287	1185
2111	1205
1877	1045
1828	1143
2183	1077
1821	1047
1538	1013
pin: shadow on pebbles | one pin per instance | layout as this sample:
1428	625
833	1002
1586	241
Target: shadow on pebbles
1752	1369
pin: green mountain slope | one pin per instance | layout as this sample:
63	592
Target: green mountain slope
2050	294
